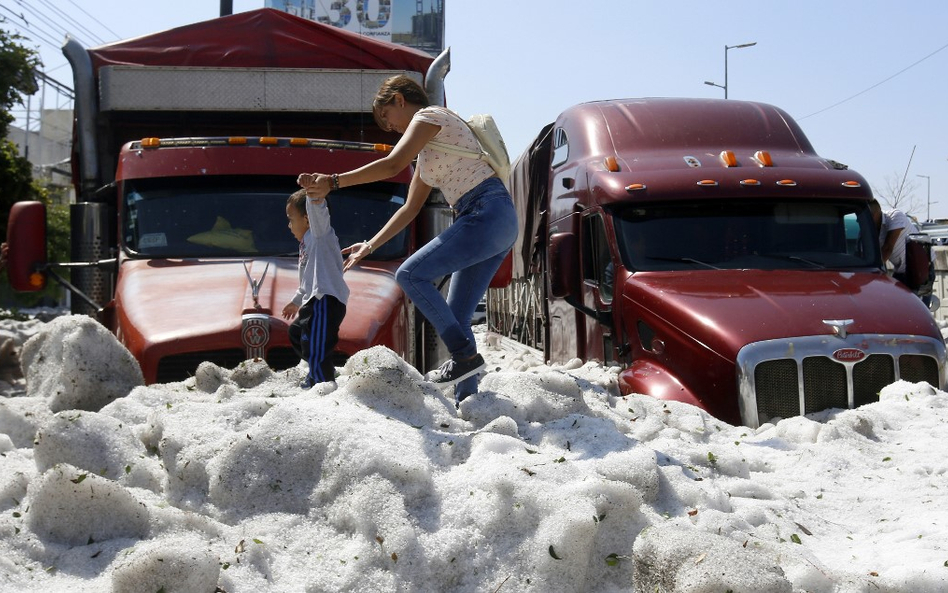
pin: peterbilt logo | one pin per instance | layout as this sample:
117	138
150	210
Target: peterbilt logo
849	355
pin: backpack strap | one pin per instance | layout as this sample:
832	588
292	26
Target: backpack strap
452	149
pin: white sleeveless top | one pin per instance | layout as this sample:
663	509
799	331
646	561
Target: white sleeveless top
453	174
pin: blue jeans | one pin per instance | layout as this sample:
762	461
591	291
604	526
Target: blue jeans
471	250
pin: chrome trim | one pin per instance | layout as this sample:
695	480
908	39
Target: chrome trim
799	348
255	334
434	78
85	109
840	326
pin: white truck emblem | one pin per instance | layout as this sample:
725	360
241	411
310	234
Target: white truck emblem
839	327
255	284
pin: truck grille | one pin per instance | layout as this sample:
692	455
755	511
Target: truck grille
784	378
181	366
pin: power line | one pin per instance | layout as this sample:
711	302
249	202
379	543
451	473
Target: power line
70	19
877	84
41	17
26	28
114	34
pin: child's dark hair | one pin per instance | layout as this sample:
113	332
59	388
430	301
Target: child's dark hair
298	200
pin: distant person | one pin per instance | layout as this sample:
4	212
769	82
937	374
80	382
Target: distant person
320	302
471	249
4	253
894	229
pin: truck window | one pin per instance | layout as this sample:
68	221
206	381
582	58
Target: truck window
225	218
764	234
597	261
560	147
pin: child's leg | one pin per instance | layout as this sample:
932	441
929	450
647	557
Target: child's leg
315	341
335	313
301	327
323	329
295	331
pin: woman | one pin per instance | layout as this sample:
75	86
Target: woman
471	249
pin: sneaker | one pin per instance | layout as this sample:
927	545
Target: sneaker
453	371
306	384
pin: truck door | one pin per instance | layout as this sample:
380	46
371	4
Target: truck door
597	288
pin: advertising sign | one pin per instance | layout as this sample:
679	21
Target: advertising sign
415	23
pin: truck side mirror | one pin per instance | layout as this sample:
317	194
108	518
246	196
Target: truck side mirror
564	265
918	259
26	240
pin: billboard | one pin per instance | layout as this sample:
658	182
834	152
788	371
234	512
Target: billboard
415	23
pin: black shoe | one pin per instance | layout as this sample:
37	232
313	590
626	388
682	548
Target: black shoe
454	371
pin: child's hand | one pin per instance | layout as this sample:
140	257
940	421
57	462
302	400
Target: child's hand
317	186
290	311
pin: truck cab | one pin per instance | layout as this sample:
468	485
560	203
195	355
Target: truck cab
187	146
704	247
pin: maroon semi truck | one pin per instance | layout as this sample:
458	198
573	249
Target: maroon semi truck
705	247
187	145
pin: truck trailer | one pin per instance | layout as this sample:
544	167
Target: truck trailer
707	249
187	145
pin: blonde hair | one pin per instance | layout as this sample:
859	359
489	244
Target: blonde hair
401	85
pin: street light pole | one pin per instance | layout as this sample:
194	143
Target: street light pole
726	48
929	180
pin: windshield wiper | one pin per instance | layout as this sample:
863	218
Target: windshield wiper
684	260
793	258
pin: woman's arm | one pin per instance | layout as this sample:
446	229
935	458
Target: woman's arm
417	195
409	145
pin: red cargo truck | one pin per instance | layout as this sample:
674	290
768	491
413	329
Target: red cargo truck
187	144
705	247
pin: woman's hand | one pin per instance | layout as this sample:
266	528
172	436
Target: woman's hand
317	186
356	252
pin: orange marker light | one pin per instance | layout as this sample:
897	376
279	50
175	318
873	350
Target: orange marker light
611	164
268	141
746	182
763	157
38	280
787	183
298	142
236	140
708	183
851	184
151	142
634	187
728	158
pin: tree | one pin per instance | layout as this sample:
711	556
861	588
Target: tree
899	193
19	66
18	69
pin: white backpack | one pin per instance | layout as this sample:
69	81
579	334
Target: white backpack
493	149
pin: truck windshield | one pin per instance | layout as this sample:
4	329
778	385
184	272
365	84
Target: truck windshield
762	234
215	218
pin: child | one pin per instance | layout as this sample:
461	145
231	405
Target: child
320	302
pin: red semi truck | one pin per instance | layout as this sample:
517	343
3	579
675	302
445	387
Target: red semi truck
705	247
187	144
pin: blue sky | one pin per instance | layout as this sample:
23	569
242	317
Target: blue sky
867	81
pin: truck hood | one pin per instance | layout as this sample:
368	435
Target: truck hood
167	306
727	309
